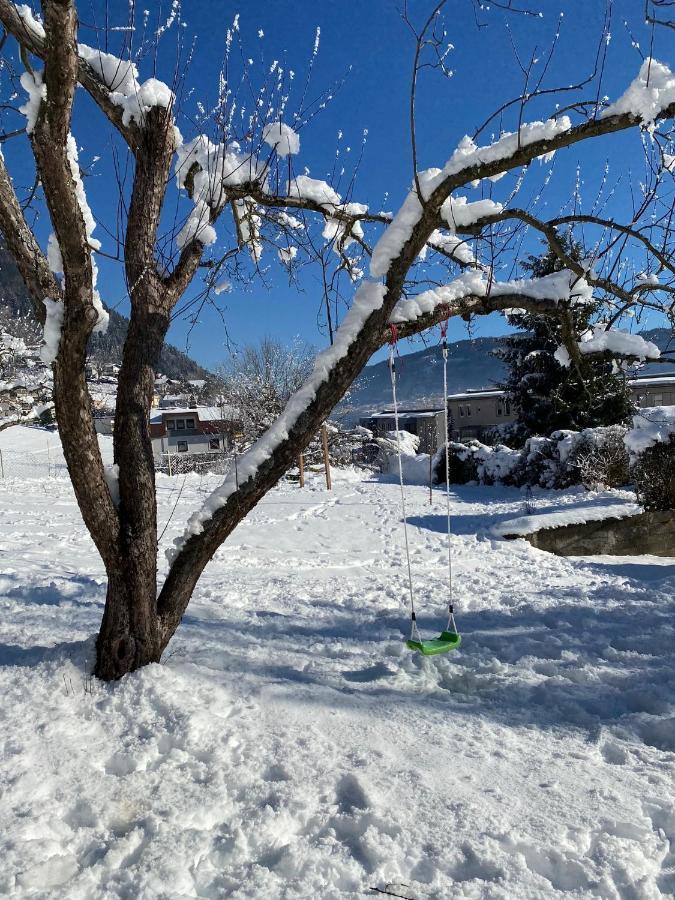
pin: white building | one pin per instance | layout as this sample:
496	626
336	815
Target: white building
203	430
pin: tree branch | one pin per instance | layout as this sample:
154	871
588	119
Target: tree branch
198	548
25	250
34	43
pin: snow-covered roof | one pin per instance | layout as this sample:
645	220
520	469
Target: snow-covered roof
203	413
477	394
406	414
645	380
652	381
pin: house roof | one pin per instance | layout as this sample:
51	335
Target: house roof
645	380
653	381
203	413
471	395
406	414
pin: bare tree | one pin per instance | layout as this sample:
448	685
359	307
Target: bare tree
259	380
244	172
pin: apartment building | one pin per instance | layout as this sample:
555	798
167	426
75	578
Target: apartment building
471	412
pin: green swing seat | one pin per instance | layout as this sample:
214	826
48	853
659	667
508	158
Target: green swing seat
447	640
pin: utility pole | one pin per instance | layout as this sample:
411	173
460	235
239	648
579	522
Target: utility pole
301	470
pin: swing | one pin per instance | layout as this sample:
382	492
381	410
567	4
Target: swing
449	638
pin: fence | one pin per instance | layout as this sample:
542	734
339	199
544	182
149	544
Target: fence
47	463
201	463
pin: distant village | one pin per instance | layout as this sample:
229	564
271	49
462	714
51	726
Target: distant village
191	424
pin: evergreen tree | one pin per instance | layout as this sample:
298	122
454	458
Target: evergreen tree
546	395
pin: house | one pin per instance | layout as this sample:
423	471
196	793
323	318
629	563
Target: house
653	390
171	401
200	430
427	424
471	412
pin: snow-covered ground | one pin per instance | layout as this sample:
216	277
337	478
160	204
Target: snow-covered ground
289	746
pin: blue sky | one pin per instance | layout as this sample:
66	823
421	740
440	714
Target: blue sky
366	44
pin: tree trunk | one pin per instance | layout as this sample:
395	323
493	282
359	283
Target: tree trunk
130	636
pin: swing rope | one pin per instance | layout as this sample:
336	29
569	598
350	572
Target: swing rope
451	608
414	633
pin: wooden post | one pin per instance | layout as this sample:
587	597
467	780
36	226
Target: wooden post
430	475
2	466
326	459
168	459
301	470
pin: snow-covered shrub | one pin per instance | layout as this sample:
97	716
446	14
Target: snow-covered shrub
476	462
346	446
651	444
415	465
539	464
595	457
462	465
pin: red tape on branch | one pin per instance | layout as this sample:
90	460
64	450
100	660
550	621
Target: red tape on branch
394	335
444	329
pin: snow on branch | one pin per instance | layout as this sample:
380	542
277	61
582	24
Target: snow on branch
120	76
468	154
36	89
305	188
618	343
458	212
453	246
401	228
281	138
648	95
651	426
205	170
560	286
30	22
52	330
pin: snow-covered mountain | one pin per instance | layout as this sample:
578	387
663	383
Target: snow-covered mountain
16	319
472	364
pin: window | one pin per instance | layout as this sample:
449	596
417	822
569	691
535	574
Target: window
658	400
461	410
468	409
180	424
508	407
189	423
214	443
182	446
499	409
171	425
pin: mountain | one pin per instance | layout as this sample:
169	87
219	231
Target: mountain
16	318
471	364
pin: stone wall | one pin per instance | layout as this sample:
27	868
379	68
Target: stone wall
646	533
